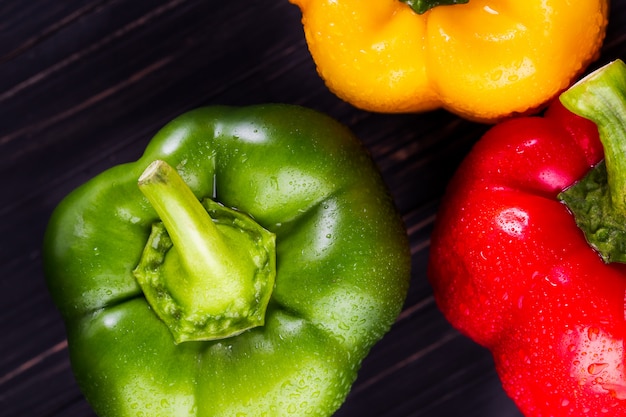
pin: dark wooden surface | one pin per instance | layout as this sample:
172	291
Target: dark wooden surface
85	84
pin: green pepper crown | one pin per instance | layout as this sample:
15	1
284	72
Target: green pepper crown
598	201
207	271
422	6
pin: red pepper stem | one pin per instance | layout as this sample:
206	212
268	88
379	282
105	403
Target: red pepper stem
601	98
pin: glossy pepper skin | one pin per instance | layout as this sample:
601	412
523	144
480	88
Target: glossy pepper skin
341	255
511	269
484	60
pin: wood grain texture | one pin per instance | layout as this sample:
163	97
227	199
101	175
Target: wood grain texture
85	84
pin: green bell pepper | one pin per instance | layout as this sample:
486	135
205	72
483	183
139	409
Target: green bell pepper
243	266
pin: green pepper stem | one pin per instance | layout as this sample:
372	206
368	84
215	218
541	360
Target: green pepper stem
208	261
600	97
206	270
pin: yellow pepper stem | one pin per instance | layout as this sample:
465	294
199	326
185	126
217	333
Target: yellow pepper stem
422	6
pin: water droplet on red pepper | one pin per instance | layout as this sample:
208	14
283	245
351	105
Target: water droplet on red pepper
596	368
593	333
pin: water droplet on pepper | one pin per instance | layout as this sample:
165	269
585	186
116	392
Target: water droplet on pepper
596	368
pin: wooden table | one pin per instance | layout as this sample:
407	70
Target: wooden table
85	84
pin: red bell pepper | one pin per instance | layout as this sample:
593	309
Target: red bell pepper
511	268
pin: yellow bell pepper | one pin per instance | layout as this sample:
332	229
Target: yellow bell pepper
484	60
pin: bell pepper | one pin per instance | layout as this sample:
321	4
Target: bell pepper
528	251
484	60
243	266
